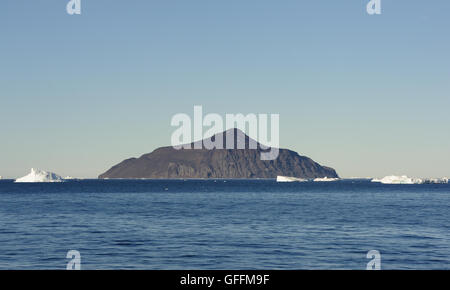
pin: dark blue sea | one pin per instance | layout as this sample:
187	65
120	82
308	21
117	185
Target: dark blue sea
223	224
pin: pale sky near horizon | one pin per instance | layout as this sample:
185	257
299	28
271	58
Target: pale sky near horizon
366	95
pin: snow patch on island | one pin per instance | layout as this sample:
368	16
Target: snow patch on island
290	179
40	176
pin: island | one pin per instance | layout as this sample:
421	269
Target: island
171	163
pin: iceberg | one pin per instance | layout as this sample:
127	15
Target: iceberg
436	180
325	179
392	179
406	180
40	176
290	179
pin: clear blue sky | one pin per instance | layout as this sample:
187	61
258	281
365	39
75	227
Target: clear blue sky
367	95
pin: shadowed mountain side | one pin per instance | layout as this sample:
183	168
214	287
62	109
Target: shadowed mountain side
167	162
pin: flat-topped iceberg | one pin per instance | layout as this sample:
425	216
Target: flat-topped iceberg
290	179
392	179
325	179
40	176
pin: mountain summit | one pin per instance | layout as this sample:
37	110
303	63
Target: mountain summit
170	163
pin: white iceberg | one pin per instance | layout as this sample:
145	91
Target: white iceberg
436	180
290	179
74	178
392	179
407	180
40	176
325	179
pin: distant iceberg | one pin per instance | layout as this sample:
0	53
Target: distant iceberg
436	180
392	179
325	179
407	180
296	179
40	176
290	179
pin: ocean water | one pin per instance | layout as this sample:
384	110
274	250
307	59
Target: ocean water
223	224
